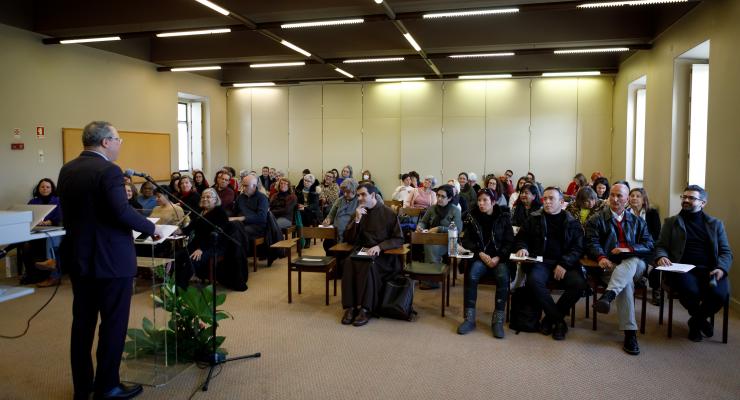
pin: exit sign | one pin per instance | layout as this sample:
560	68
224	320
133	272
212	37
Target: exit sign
16	146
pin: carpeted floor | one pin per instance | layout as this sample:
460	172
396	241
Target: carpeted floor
308	354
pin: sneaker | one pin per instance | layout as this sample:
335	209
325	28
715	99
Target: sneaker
603	305
561	328
656	299
630	343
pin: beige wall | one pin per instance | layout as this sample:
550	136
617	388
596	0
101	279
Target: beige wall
68	86
554	127
665	155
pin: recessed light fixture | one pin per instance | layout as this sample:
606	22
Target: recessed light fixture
411	40
343	72
472	13
91	40
415	78
186	69
597	50
372	60
254	84
494	76
283	64
629	3
378	1
214	7
580	73
296	48
482	55
322	23
192	33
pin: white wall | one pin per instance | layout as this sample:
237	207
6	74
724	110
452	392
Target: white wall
67	86
553	127
665	154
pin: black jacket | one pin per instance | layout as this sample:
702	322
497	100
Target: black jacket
602	235
533	237
503	234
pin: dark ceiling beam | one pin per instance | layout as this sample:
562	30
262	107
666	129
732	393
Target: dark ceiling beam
514	74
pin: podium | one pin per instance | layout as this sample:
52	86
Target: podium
150	353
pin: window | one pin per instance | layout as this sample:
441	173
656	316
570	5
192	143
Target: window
636	114
640	95
699	105
189	135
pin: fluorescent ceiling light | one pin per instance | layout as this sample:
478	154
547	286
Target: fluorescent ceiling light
601	50
416	78
90	40
629	3
322	23
471	13
214	7
371	60
581	73
494	76
411	40
186	69
283	64
378	1
296	48
192	33
482	55
343	72
254	84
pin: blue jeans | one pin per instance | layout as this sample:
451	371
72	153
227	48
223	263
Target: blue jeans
476	272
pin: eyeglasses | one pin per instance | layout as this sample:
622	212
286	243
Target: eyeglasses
689	198
120	140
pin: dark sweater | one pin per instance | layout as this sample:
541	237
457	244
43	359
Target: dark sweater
555	230
697	250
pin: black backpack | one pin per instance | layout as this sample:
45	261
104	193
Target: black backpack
525	311
397	300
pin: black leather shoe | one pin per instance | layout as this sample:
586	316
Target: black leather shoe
630	343
603	305
546	327
707	329
362	318
121	391
349	316
561	328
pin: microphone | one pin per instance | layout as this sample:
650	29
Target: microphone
713	281
131	172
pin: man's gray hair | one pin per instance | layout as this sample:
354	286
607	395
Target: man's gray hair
94	133
350	184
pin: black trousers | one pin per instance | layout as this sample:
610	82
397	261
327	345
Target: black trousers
111	299
362	281
700	299
573	285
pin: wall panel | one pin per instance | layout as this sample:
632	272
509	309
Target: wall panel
269	128
594	125
507	126
305	131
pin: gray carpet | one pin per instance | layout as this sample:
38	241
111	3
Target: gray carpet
308	354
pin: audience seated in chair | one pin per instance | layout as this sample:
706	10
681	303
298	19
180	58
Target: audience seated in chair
515	195
329	193
694	237
601	187
403	191
199	181
585	205
188	194
375	227
494	184
437	219
617	240
251	207
225	192
467	191
488	234
308	200
528	202
131	195
167	212
146	198
558	237
340	215
283	203
346	173
639	205
424	196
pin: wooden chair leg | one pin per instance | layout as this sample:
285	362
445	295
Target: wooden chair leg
670	313
327	287
444	288
644	310
660	307
573	316
299	280
254	256
508	302
290	285
725	319
448	289
588	303
595	322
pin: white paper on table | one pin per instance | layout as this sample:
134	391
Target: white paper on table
514	257
152	220
676	267
167	231
326	226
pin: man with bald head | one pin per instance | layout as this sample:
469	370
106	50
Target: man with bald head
251	207
618	240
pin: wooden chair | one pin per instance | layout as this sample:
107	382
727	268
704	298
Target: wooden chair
395	205
665	288
431	271
260	240
325	265
412	213
597	286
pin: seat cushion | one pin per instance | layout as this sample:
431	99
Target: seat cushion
313	261
426	268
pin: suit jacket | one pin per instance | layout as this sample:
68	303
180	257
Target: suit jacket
98	219
673	241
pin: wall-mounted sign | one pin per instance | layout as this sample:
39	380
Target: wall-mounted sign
16	146
16	133
39	132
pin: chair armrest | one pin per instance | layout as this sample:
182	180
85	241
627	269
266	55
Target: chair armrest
342	247
401	251
284	244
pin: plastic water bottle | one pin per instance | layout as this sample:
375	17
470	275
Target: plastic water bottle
452	240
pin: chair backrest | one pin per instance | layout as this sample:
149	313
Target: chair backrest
413	212
439	239
395	205
312	232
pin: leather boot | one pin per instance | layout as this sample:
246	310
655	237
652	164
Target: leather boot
468	325
497	324
603	305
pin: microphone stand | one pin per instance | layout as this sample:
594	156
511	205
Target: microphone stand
214	359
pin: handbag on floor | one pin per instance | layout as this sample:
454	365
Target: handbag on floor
397	300
526	311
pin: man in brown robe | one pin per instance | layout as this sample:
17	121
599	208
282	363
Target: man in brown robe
375	229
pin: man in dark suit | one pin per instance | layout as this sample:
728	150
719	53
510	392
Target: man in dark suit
99	252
